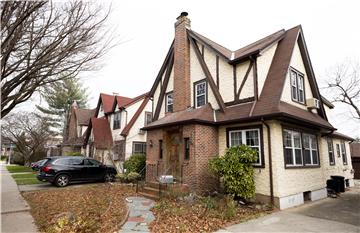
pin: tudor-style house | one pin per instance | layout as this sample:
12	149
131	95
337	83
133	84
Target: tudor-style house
208	98
77	123
114	133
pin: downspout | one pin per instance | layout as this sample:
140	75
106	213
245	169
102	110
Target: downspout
270	162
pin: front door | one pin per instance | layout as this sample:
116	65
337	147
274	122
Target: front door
173	161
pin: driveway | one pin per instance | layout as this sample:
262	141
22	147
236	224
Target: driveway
329	215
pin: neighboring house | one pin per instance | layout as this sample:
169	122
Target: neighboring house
78	121
355	158
207	98
114	132
53	145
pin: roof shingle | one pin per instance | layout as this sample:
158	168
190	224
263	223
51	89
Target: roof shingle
102	133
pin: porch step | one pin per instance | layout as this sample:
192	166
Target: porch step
148	195
150	190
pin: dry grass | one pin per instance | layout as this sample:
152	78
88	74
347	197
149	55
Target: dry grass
92	208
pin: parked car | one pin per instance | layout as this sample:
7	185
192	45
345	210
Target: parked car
38	164
63	170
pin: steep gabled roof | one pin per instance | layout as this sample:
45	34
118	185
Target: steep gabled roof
122	101
102	133
355	149
244	52
107	102
83	116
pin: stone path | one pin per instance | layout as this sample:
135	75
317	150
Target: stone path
140	215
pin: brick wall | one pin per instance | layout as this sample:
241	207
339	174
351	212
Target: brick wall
181	65
195	171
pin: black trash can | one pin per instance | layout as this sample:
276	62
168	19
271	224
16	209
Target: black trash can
340	180
333	185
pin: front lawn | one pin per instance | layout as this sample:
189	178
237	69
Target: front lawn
202	214
95	208
18	168
26	178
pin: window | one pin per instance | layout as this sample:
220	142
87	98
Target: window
293	148
160	149
249	137
338	150
148	118
297	86
139	148
343	153
92	162
300	149
310	149
169	102
117	120
331	151
187	148
200	94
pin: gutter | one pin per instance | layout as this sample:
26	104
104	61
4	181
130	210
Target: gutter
270	162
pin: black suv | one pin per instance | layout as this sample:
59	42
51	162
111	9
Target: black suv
63	170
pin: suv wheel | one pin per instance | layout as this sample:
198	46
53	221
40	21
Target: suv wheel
109	177
62	180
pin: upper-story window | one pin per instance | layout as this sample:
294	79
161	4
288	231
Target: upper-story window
200	93
169	102
148	118
297	86
117	120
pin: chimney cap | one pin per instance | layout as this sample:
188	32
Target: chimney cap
183	14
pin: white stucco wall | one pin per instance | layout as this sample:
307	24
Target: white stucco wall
196	74
297	63
134	135
263	65
116	132
248	89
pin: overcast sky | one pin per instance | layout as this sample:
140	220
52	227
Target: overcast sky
331	28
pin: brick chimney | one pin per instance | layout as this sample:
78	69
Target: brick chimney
182	95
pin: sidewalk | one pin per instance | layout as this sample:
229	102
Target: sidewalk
15	215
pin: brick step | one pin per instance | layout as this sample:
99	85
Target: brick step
154	185
150	190
150	196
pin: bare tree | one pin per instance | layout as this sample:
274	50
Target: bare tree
44	42
344	83
28	131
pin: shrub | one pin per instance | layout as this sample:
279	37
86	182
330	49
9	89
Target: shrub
73	154
236	170
135	163
128	177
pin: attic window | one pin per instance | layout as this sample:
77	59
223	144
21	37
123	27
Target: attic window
117	120
297	86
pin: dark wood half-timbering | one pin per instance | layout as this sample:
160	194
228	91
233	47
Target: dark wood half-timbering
237	94
209	78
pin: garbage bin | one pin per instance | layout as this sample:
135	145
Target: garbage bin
340	180
333	185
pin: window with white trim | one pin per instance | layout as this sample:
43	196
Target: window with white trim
331	151
169	102
310	150
293	148
200	94
139	148
249	137
297	86
148	118
343	153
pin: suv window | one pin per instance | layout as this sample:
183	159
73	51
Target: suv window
69	161
92	162
61	162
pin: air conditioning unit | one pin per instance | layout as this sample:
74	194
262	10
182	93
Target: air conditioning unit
313	103
142	132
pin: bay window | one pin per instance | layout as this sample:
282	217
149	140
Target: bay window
300	149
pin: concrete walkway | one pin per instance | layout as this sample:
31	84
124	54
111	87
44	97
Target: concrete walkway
140	215
15	215
329	215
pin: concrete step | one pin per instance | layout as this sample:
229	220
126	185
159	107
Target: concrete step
150	190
